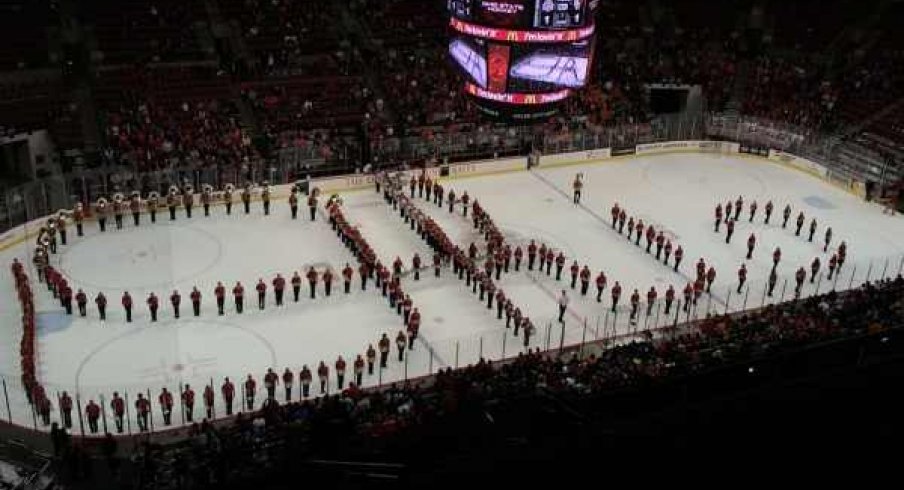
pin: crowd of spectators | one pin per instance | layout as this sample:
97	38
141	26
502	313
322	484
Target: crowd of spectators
356	419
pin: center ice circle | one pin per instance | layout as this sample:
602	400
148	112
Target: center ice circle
167	354
140	258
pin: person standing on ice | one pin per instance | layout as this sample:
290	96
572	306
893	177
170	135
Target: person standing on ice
238	294
195	301
451	197
228	392
660	241
739	204
669	298
323	374
219	293
577	185
668	252
340	373
188	403
119	409
742	277
814	269
250	389
718	216
279	287
270	380
153	304
799	277
563	306
142	409
293	203
828	239
773	279
66	409
560	264
635	302
327	281
768	210
296	285
92	411
287	380
833	262
347	273
384	346
465	201
261	289
614	212
616	294
753	207
710	278
165	399
209	401
305	378
401	341
776	257
585	280
575	271
265	199
639	227
651	299
246	198
729	230
175	300
358	367
371	358
622	215
800	223
812	229
81	299
786	214
312	205
751	244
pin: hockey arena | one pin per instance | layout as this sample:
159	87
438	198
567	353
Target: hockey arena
676	193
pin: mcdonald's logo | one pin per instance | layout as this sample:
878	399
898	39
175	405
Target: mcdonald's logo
530	99
511	36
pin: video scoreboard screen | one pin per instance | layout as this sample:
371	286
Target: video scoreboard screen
520	57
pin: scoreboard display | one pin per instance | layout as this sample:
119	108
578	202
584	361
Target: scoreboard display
521	57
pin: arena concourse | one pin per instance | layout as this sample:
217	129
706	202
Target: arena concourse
404	243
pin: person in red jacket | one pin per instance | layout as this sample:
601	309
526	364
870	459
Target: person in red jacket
165	399
635	302
814	269
312	281
142	410
531	255
616	294
287	380
228	392
195	301
651	237
175	300
270	381
688	296
66	296
279	287
799	278
250	389
669	298
742	277
776	257
261	289
519	255
414	324
416	266
359	370
220	293
651	298
560	264
364	270
575	270
729	229
92	411
718	216
304	377
209	401
347	273
600	286
710	278
679	254
66	409
751	244
238	294
660	242
437	263
323	373
153	304
296	285
188	403
293	203
81	299
668	251
119	409
327	281
340	372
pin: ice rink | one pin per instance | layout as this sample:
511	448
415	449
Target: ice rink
674	192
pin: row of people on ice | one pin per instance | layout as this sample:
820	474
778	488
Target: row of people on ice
366	363
729	220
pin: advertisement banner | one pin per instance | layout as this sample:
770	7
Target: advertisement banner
574	157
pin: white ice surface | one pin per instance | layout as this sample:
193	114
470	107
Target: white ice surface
677	192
